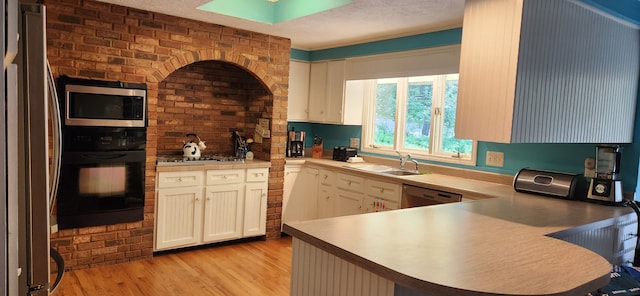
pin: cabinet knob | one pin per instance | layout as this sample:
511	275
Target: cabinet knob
197	199
179	179
325	177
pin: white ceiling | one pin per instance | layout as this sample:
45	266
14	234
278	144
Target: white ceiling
358	22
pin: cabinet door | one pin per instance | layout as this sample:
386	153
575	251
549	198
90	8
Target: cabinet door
255	209
317	91
178	217
348	203
383	190
302	203
335	91
223	212
326	91
326	201
291	173
298	101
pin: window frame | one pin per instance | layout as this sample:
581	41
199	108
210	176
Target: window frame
434	153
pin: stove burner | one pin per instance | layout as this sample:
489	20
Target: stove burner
204	158
217	158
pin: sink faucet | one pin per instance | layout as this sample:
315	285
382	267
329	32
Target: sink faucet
403	160
414	162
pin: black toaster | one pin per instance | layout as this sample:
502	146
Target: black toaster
342	153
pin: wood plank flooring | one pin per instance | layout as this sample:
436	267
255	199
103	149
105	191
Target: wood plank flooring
247	268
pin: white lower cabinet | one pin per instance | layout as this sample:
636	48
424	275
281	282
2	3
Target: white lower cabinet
198	207
311	192
178	216
302	197
349	195
255	210
326	193
223	212
348	203
381	196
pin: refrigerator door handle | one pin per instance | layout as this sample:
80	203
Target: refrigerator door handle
56	134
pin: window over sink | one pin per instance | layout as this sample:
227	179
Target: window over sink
415	115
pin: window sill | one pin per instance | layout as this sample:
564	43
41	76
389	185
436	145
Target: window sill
423	157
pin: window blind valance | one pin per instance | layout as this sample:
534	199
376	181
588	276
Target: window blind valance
429	61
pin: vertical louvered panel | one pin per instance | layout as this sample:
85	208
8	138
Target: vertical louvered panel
179	214
223	212
575	68
488	58
613	242
315	272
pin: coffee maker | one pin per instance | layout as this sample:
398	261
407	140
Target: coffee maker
295	143
606	186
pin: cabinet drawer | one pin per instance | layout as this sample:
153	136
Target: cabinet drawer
383	190
258	175
215	177
350	183
180	179
327	177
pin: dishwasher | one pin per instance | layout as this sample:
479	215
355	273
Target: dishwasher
414	196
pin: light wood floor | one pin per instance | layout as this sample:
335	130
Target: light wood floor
248	268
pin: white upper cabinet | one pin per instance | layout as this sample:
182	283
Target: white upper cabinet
546	71
329	101
298	102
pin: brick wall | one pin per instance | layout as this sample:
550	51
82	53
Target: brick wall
211	99
92	39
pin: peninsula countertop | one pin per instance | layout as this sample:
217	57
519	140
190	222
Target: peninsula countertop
503	244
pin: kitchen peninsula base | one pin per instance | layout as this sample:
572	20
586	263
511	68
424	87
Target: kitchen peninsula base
498	246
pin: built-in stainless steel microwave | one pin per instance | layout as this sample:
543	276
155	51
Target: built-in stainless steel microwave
112	104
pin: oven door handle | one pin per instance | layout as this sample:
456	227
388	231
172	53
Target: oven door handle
104	156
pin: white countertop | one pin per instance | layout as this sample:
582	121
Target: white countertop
497	245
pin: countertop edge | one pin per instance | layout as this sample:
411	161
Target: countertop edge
385	272
419	284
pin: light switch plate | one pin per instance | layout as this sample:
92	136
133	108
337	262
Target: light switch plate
495	159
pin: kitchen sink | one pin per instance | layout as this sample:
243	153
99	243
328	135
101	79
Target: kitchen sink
383	169
400	173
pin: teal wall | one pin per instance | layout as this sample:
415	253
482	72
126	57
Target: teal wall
557	157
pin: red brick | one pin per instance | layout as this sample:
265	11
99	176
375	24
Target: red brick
95	39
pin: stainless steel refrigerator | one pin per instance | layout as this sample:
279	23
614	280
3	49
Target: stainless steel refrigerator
25	161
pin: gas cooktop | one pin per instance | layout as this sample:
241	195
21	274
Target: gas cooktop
212	158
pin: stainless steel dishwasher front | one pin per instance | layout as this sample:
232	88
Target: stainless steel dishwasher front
414	196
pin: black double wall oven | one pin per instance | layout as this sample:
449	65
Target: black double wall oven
103	152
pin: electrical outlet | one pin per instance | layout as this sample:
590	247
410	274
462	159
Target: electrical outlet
354	143
590	167
495	158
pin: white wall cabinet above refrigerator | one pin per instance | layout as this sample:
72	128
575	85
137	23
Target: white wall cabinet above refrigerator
331	98
546	71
